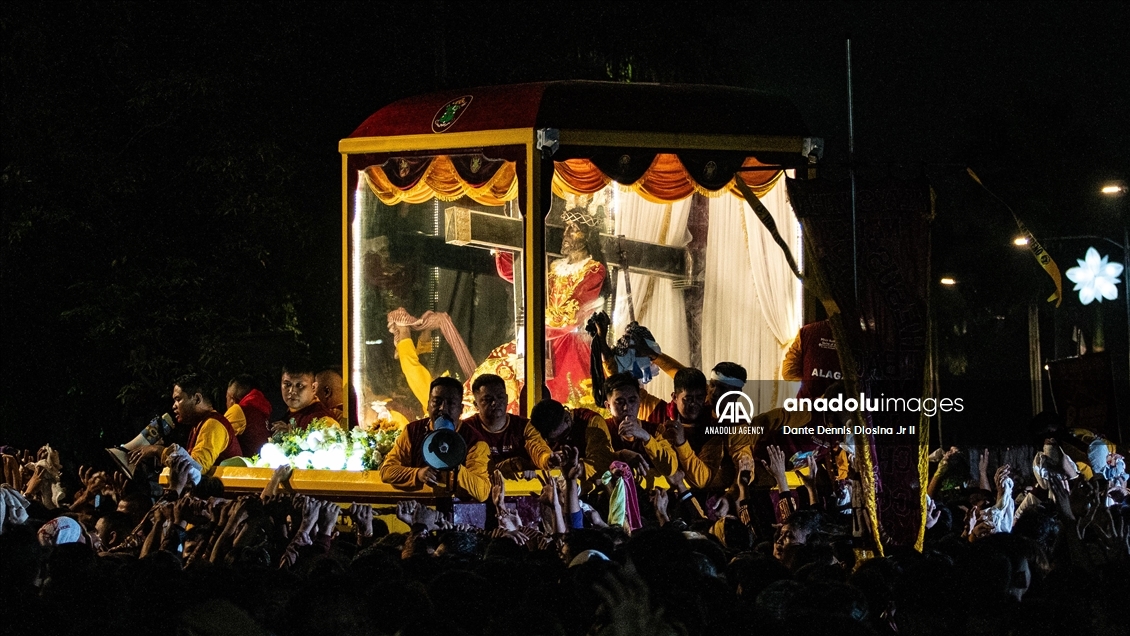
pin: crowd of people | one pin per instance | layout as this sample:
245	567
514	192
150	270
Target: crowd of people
645	524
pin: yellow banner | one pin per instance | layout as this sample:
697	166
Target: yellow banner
1042	257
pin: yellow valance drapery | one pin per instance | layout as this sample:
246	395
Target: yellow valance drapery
443	182
665	181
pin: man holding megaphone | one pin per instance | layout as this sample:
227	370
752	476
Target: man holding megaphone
424	450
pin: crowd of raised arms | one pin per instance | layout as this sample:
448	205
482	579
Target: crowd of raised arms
645	524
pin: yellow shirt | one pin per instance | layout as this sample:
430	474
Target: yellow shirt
471	479
236	418
211	440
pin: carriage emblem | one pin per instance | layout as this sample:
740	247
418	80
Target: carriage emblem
476	163
709	169
403	168
449	113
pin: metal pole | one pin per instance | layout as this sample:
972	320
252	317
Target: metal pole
851	173
1035	371
1126	295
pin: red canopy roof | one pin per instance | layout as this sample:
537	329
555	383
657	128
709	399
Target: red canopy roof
584	105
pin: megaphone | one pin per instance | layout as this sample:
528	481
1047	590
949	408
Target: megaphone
155	432
444	449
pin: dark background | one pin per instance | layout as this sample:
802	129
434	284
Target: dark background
171	183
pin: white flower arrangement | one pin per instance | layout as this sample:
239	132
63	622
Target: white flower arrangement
325	446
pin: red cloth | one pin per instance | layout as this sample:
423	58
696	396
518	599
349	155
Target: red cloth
233	449
632	506
257	413
569	300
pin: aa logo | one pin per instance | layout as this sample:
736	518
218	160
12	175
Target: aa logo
735	408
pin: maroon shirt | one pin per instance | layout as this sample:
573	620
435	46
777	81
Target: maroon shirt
508	443
819	360
313	411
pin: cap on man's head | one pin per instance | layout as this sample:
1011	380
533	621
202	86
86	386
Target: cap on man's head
60	530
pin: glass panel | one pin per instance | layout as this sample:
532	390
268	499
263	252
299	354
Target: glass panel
577	286
709	284
429	277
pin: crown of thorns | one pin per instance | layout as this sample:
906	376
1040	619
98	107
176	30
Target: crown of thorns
584	210
579	216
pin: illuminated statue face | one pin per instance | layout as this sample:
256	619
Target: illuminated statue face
575	241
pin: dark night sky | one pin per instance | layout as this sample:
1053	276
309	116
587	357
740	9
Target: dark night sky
143	140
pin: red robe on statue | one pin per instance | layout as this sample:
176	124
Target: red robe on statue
573	294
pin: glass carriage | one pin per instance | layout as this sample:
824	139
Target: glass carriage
484	227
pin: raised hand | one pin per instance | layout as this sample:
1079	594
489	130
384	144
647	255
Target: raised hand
776	466
183	509
362	517
426	516
13	475
497	489
809	479
327	517
945	463
983	470
279	475
509	521
677	433
747	469
308	507
117	484
631	429
571	464
1003	479
626	605
659	501
33	484
406	511
678	481
933	513
721	507
179	469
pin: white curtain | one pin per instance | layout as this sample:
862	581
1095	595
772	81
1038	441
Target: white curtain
751	309
658	305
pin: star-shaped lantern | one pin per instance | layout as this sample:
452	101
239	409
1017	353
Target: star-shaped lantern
1095	278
